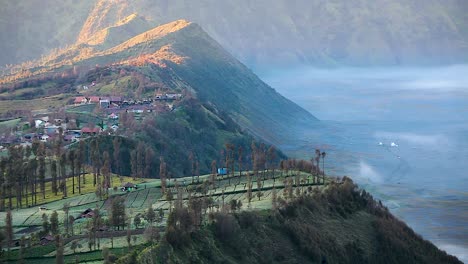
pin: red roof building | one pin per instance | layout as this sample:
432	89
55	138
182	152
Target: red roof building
80	100
94	99
88	130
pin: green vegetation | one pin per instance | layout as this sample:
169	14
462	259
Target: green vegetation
342	224
173	58
296	221
240	201
121	208
9	124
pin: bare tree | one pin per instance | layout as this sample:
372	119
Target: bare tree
9	229
274	199
214	173
162	174
323	166
317	161
116	144
239	162
59	250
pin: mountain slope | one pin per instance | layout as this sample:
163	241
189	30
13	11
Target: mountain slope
265	33
181	55
340	225
219	78
116	34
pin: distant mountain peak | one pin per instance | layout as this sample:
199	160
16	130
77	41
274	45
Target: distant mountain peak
101	16
111	36
160	58
153	34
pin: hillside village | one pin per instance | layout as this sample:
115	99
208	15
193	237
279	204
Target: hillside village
48	126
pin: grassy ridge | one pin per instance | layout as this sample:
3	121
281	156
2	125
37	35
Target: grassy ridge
342	224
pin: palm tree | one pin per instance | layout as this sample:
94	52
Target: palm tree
323	166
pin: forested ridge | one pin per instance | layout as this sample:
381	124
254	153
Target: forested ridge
341	224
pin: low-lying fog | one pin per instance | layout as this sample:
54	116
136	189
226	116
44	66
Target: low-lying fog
402	133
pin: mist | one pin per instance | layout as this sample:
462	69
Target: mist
401	133
394	94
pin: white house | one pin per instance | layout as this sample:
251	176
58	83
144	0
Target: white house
39	123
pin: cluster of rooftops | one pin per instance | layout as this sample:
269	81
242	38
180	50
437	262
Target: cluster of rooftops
119	101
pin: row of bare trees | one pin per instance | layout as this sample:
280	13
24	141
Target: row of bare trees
25	171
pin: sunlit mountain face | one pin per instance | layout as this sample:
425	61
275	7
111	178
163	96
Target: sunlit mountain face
261	33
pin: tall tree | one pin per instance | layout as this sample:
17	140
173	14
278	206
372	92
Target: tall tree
97	222
116	142
317	161
41	152
239	161
3	183
137	221
254	157
149	160
83	156
71	221
134	163
230	162
271	156
79	158
214	173
323	166
106	172
117	214
54	223
129	235
259	189
71	160
45	224
162	174
150	215
53	172
32	179
262	159
249	188
140	159
9	229
63	173
197	170
22	249
2	239
192	164
274	199
66	210
59	259
95	159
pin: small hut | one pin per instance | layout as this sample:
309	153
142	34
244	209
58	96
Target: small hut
128	187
